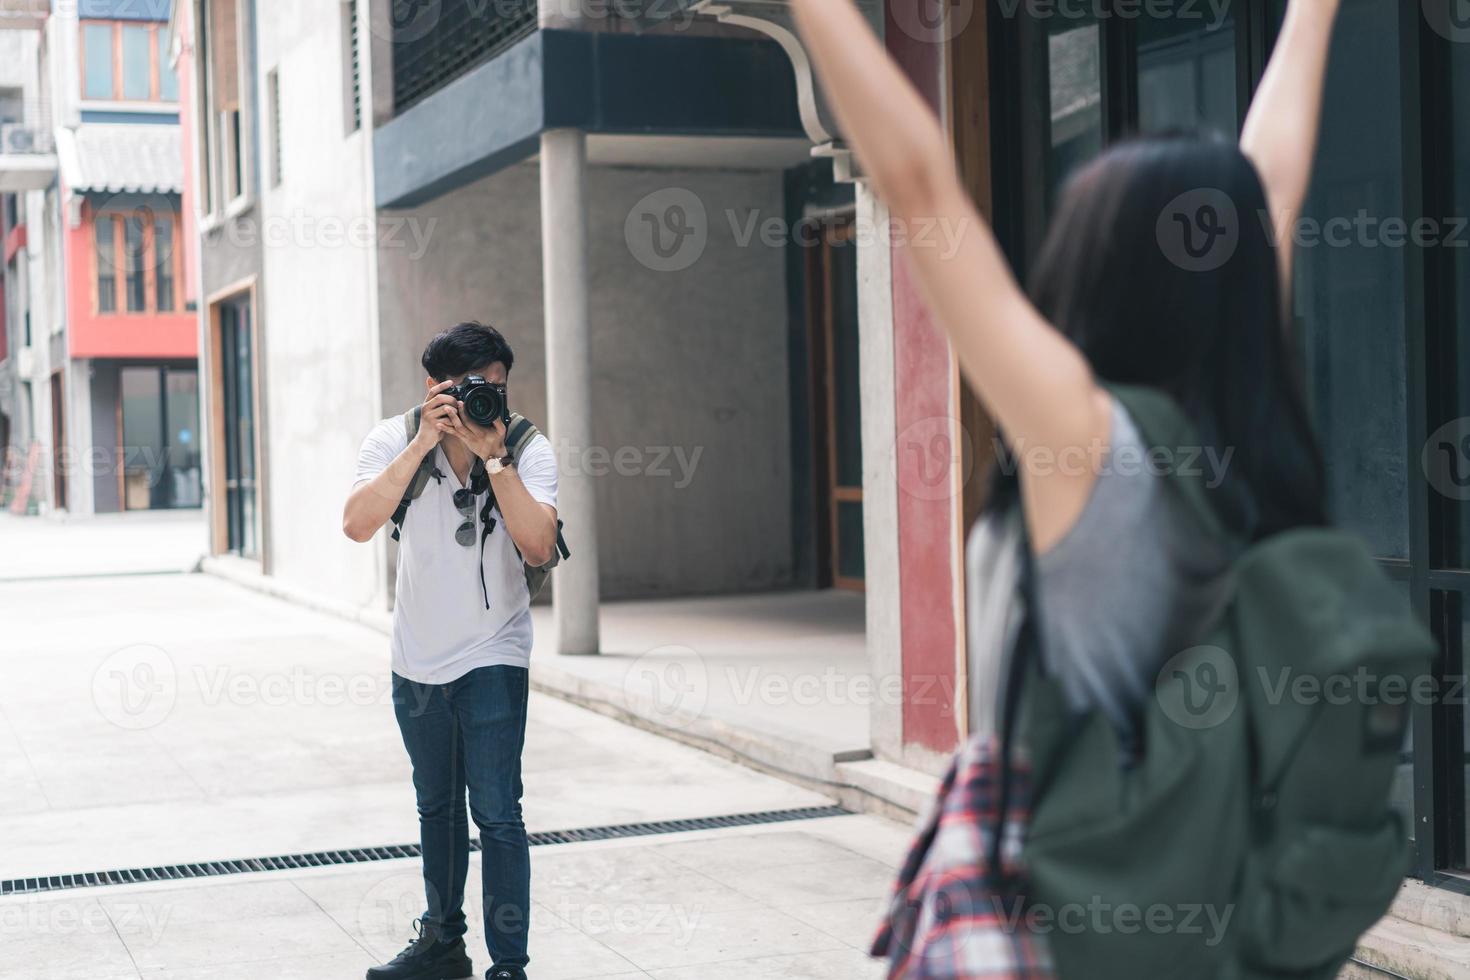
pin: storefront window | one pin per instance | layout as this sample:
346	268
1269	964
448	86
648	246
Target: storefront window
1349	298
1074	75
1186	72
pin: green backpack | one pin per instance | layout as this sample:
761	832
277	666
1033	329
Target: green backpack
518	436
1254	836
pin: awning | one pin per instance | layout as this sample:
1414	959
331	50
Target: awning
121	158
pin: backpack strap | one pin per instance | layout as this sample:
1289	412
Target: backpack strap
421	476
1025	657
518	434
517	437
1167	430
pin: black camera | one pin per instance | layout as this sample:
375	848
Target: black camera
484	401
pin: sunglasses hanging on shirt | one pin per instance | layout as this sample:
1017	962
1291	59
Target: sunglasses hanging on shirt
464	502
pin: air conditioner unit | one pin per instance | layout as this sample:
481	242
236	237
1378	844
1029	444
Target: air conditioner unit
20	138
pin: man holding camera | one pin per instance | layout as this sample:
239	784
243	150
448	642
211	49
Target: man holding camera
462	635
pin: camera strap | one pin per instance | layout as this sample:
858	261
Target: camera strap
479	478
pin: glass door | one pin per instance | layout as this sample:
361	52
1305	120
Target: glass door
160	421
237	405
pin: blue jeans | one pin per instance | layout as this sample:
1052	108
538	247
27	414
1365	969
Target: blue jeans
468	734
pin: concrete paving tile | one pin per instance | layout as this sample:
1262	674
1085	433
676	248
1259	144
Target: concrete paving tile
886	841
377	904
712	937
333	966
686	895
247	940
854	922
234	920
842	965
810	883
218	900
69	938
733	855
561	952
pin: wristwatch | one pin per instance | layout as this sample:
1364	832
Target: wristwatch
497	464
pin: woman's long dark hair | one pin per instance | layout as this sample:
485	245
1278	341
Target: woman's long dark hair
1199	317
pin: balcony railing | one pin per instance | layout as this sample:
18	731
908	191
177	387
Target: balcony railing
435	43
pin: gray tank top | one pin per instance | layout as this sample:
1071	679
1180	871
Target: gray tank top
1130	585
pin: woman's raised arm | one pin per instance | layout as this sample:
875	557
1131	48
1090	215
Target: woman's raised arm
1280	134
1031	379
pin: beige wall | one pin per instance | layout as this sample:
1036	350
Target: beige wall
691	362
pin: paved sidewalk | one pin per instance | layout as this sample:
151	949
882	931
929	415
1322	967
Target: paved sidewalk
758	903
173	719
139	542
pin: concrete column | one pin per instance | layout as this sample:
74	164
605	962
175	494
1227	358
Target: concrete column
78	396
880	482
569	380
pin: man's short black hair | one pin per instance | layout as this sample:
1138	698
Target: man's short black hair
464	347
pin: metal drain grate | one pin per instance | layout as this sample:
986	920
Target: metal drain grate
317	859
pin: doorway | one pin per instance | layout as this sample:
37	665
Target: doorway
58	442
237	521
837	404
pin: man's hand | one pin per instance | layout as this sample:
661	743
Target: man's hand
486	443
438	409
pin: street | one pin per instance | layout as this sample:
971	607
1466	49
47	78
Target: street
172	721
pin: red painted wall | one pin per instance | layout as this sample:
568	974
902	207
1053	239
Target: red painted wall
135	335
15	240
928	512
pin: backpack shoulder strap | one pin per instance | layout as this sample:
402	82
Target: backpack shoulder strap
421	476
1173	444
518	434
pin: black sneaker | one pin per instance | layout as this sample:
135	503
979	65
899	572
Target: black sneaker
426	958
505	973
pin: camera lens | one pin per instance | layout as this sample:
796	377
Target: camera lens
483	406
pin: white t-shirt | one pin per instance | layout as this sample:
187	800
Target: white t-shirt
441	628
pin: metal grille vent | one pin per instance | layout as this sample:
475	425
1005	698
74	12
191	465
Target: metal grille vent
433	44
286	862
